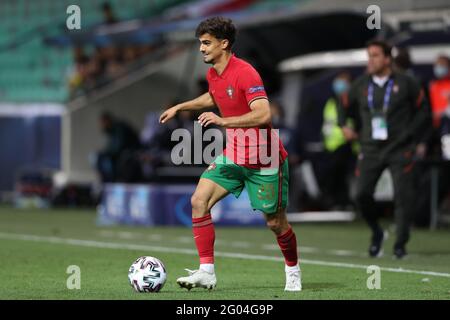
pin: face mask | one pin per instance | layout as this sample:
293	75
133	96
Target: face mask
440	71
340	86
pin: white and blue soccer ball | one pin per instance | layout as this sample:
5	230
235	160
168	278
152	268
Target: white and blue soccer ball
147	274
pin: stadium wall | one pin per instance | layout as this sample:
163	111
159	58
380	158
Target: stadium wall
30	139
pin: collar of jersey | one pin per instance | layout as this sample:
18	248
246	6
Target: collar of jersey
225	71
391	76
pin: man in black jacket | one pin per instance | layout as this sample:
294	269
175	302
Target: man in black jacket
390	116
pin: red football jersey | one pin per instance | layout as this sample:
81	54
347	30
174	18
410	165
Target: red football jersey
233	91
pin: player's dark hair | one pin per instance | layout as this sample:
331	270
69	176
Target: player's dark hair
219	27
385	47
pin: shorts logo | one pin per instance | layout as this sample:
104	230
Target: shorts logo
230	92
256	89
211	167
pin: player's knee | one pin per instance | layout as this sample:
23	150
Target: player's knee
275	225
199	205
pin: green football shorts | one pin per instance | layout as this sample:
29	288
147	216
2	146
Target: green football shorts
267	188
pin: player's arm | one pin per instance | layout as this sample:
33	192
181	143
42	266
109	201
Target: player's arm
259	116
202	102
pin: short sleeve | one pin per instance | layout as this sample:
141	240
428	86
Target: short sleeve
252	86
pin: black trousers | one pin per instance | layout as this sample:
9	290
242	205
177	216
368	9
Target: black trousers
334	179
369	169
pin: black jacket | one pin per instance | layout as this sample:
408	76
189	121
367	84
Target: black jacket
408	116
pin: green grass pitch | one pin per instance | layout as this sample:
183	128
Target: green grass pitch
36	248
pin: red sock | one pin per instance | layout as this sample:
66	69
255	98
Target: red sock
288	245
204	236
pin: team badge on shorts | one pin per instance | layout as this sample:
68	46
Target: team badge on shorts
211	167
230	92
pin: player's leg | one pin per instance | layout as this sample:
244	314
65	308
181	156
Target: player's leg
268	192
205	196
287	242
216	182
278	223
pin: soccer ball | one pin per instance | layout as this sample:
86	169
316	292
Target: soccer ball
147	274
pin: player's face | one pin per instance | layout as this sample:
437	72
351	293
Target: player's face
378	62
211	48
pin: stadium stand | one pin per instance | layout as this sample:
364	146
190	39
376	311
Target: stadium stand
33	71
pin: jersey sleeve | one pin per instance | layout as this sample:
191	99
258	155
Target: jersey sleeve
252	86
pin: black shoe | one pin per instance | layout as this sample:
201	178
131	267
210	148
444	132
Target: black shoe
376	246
400	252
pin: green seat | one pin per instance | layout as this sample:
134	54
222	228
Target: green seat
34	72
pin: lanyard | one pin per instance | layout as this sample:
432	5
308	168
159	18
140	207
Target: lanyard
387	96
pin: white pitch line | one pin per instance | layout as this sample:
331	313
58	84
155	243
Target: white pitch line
236	244
127	235
112	245
155	237
240	244
185	239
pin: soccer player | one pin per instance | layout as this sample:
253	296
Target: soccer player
236	88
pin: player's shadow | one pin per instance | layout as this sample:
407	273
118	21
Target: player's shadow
252	287
310	286
314	286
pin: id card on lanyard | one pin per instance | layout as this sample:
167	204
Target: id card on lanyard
379	119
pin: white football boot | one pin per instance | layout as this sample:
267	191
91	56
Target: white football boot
198	279
293	278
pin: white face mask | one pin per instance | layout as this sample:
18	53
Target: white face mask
445	142
440	71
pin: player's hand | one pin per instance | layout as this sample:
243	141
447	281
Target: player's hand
421	150
349	134
168	114
207	118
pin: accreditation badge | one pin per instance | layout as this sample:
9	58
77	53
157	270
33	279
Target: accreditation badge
379	128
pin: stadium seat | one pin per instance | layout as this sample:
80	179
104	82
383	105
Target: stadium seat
32	71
